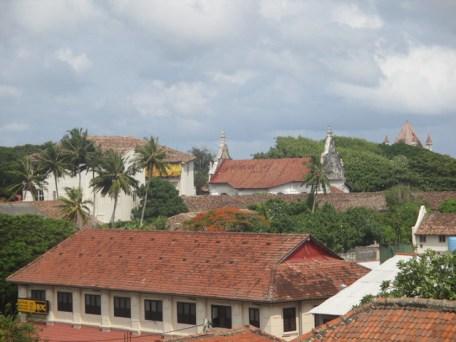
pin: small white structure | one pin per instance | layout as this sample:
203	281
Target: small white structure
276	176
343	301
180	174
433	231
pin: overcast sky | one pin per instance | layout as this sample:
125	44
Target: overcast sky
184	70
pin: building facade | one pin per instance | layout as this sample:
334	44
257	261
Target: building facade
180	174
435	231
180	283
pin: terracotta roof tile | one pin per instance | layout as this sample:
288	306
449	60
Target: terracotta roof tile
191	263
261	173
392	319
224	335
124	144
437	223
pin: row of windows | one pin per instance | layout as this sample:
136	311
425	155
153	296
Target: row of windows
442	238
153	310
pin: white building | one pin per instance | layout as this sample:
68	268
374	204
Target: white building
276	176
161	281
180	173
434	231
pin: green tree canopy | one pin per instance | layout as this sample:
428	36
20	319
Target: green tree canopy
23	238
11	330
430	275
51	162
164	200
203	159
29	177
74	208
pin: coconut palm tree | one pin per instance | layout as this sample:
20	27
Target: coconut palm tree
316	179
75	147
113	178
151	157
93	165
51	161
29	178
74	207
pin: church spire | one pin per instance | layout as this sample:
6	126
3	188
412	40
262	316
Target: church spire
386	141
222	154
429	143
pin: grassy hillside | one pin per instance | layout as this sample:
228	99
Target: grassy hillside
376	167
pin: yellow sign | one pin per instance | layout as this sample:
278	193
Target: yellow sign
27	305
172	170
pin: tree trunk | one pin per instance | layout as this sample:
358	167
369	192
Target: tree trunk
94	195
114	211
56	187
79	179
314	201
144	205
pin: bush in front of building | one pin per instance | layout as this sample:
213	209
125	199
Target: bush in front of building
23	238
163	200
228	219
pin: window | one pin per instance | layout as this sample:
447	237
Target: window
153	310
93	304
442	238
289	319
254	317
122	307
221	316
38	294
40	195
186	313
65	301
422	238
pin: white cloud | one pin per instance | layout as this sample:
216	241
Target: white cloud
192	20
422	81
180	99
14	127
9	91
79	63
239	77
45	15
351	15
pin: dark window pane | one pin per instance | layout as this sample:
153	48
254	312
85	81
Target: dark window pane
122	307
65	301
186	313
254	317
221	316
289	319
153	310
38	294
93	304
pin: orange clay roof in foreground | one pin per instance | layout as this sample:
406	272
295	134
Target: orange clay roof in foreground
242	266
392	319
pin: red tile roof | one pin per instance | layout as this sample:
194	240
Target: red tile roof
261	173
437	223
244	266
124	144
392	319
408	136
59	332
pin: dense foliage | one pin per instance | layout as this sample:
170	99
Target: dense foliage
10	157
430	275
376	167
203	159
163	200
449	206
23	238
228	219
11	330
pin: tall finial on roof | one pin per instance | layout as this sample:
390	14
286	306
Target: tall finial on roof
222	153
386	141
429	143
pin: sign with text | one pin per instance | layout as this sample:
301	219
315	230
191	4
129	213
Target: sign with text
35	306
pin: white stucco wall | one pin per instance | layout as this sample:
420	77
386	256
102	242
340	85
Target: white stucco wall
271	320
289	188
104	205
432	242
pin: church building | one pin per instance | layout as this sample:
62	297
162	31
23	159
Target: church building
277	176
